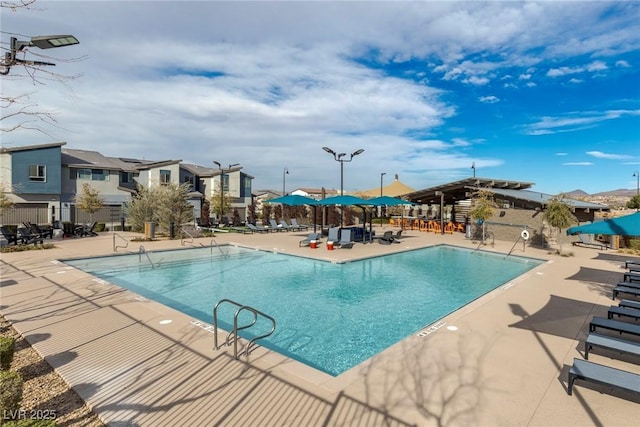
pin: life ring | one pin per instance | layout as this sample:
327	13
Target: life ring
524	235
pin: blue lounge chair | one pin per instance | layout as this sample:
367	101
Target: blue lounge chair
615	310
585	241
294	222
604	375
345	239
334	235
288	227
629	304
614	325
257	229
274	226
611	343
625	290
309	238
631	277
386	238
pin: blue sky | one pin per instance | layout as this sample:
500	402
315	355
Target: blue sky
544	92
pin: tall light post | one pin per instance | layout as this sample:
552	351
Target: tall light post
42	42
285	172
222	172
382	174
637	175
340	158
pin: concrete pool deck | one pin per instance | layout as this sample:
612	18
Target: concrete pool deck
500	361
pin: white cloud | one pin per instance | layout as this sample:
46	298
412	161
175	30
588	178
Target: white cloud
489	99
608	156
578	164
562	154
623	64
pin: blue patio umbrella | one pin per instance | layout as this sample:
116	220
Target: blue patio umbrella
294	200
345	200
628	225
297	200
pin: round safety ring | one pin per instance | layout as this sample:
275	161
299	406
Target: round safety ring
524	234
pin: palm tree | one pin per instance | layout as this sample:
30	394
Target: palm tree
558	215
482	207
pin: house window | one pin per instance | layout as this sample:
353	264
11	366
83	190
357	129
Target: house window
126	177
37	173
190	179
246	184
99	175
89	174
165	177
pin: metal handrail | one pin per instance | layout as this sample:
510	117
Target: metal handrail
233	335
182	233
218	246
142	250
115	248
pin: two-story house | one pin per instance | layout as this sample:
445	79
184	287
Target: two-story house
46	179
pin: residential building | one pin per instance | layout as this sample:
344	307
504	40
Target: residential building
46	179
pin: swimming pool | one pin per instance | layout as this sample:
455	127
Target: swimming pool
329	316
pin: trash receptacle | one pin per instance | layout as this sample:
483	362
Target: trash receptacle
149	230
313	244
468	232
329	245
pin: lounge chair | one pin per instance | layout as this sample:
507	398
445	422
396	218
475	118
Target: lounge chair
386	238
625	290
600	374
333	236
611	343
274	226
308	239
10	236
631	277
398	236
613	325
27	237
257	229
584	242
36	229
86	230
629	304
615	310
288	227
294	222
632	263
243	230
345	239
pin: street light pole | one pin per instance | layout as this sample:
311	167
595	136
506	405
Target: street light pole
42	42
637	175
381	175
339	157
285	172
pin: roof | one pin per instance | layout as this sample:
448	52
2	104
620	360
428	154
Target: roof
509	190
396	188
457	190
93	159
31	147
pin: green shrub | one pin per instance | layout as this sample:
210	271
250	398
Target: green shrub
634	244
100	227
10	392
7	348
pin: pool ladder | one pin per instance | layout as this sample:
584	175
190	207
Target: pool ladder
233	337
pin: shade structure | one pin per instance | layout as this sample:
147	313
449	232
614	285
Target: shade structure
294	200
345	200
389	201
628	225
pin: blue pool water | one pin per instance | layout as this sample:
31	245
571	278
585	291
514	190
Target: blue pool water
329	316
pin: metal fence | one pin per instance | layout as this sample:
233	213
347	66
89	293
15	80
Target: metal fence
110	215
